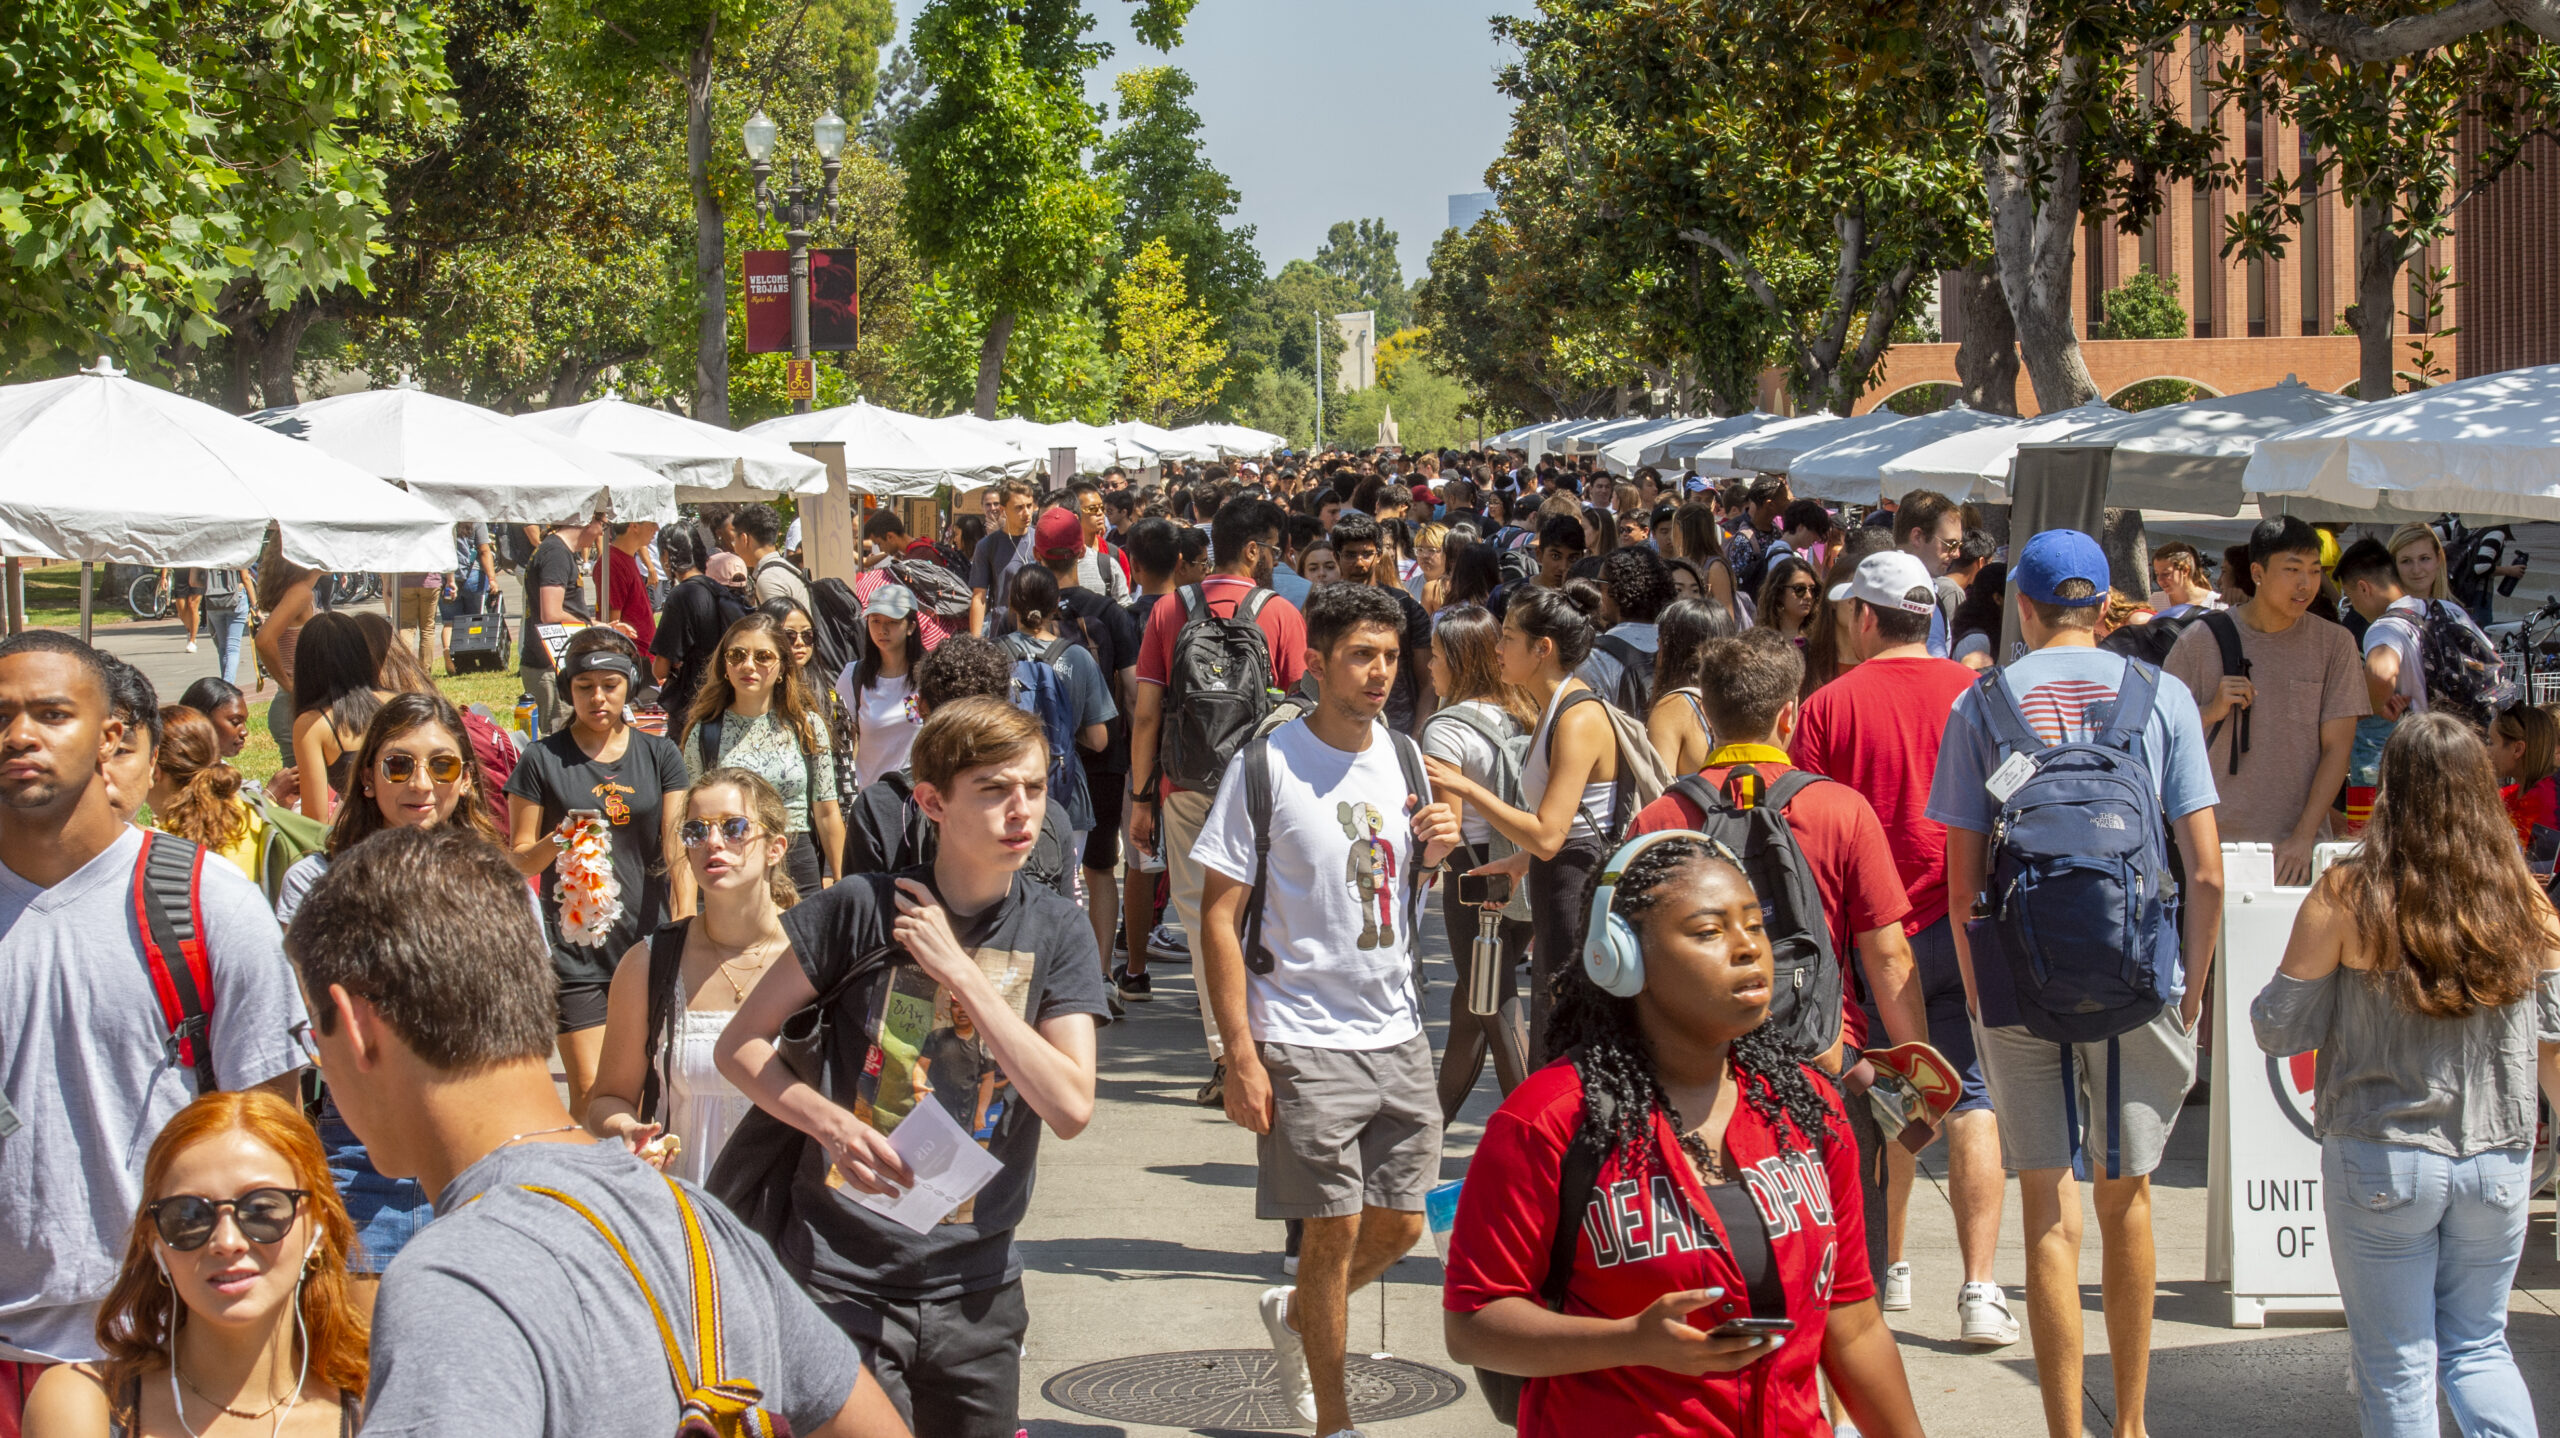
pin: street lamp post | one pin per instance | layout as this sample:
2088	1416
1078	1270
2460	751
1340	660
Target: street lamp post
797	206
1319	381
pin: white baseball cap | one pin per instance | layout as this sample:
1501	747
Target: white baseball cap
1891	579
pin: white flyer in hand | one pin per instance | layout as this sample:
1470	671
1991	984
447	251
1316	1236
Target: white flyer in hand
949	1167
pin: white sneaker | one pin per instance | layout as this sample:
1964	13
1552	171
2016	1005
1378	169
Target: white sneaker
1982	1314
1897	1287
191	646
1289	1354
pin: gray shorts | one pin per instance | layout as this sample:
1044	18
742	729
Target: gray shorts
1351	1128
2156	1065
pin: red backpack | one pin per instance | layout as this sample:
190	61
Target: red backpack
168	911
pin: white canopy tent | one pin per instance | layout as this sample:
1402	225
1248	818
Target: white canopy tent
1974	463
1775	448
1589	438
1717	459
103	468
1235	441
898	456
1095	446
704	461
473	463
1850	469
2489	445
1165	443
2190	456
1685	446
1559	440
1624	454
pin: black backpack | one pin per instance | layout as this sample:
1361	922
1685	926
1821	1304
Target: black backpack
1748	821
1217	689
2151	642
2465	676
1634	691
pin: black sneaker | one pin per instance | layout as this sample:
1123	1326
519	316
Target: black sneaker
1135	987
1213	1094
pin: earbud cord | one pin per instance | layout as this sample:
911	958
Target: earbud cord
284	1410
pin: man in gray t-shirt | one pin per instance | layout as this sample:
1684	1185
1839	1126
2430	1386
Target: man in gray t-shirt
512	1316
87	1075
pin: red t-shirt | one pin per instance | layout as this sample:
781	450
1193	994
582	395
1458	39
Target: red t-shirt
630	599
1650	1231
1282	626
1877	729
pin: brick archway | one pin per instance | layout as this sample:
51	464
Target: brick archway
2224	366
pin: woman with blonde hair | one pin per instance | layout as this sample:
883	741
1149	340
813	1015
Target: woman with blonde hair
756	711
2420	556
196	796
1430	583
230	1315
2424	971
656	1088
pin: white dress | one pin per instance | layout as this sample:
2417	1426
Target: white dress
702	1107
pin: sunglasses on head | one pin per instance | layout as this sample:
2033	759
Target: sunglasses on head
441	768
732	828
186	1221
740	654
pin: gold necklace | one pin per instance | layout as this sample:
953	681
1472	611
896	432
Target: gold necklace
204	1397
729	976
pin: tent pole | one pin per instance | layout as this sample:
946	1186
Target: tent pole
13	575
88	580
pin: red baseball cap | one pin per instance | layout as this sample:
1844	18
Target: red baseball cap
1060	531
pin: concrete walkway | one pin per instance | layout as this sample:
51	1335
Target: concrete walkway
158	648
1142	1240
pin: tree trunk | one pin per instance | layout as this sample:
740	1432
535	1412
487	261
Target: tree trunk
2032	177
991	362
238	386
2378	263
710	244
1987	355
2128	552
281	348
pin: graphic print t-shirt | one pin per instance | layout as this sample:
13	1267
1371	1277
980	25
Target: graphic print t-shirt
1650	1230
896	1039
1336	923
630	792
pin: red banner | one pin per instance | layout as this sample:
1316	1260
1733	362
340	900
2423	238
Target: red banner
835	304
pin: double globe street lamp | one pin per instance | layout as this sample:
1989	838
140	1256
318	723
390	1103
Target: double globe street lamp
797	206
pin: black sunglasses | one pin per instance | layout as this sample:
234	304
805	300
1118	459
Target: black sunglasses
186	1221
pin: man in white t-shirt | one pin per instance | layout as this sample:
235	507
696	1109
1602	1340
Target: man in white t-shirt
1338	1081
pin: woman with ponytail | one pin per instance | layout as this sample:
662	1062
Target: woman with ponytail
231	1314
1725	1177
196	796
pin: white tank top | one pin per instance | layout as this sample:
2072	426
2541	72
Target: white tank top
702	1106
1596	796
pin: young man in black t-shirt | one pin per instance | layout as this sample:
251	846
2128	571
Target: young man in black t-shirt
1359	548
552	595
958	983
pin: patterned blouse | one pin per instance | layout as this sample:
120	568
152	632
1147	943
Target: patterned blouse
766	745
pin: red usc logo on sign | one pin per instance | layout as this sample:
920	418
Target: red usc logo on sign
2292	1080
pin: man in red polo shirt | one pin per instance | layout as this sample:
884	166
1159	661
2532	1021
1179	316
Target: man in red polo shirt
1876	729
1750	701
1244	542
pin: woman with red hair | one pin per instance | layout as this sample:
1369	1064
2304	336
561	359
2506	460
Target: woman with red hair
231	1314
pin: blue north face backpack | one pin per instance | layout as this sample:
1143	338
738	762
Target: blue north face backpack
2082	903
1040	690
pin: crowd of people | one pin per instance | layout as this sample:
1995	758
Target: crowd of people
1740	811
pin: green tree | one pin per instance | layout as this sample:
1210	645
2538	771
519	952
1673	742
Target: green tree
167	169
2145	307
1171	368
1056	365
998	200
1169	191
1362	254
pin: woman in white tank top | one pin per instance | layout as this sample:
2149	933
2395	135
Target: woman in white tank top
656	1087
1569	779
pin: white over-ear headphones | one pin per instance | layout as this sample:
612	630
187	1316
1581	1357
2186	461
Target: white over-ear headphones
1612	954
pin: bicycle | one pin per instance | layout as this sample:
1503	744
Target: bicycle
148	595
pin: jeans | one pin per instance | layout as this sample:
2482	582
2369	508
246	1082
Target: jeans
2425	1249
228	624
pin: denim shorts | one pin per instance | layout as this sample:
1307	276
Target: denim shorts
387	1212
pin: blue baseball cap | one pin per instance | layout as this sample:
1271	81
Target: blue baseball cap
2057	555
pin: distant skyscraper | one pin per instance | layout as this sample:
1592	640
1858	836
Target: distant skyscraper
1463	209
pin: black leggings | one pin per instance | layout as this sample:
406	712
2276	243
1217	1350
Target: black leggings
1473	1036
1555	893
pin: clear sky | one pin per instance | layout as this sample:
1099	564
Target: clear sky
1326	110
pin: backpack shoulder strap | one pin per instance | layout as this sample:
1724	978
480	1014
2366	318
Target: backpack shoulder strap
1998	708
1249	608
1258	805
1585	694
1579	1179
1417	782
1057	647
2134	694
2226	636
707	740
1696	789
1789	785
674	1351
167	899
666	965
1194	602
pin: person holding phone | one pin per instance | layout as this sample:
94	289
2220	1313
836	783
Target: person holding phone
1727	1260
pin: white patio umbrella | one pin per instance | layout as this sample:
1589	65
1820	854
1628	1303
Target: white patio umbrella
2190	456
1679	449
1624	454
899	456
1164	442
2487	445
103	468
704	461
1974	463
473	463
1589	441
1850	469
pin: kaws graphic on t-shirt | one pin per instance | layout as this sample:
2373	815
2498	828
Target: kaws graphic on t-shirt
1371	872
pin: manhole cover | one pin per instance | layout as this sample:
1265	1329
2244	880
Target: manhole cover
1238	1388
